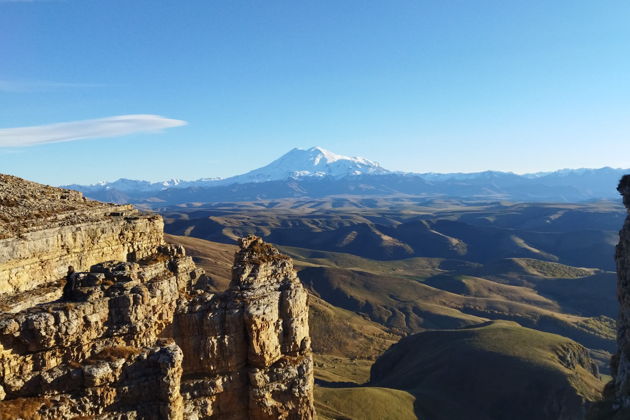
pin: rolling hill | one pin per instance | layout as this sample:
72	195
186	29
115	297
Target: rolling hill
576	235
376	275
495	371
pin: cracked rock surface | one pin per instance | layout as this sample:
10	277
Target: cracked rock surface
141	337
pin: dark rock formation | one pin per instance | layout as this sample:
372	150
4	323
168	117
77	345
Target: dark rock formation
620	364
616	402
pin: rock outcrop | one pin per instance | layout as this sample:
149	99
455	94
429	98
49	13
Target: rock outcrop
618	390
616	399
142	337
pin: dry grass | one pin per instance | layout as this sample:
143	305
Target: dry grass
365	403
483	367
331	368
214	258
24	408
340	332
548	269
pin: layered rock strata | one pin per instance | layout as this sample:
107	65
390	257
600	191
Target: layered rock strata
142	337
43	230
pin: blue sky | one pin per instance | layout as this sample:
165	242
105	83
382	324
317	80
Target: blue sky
419	86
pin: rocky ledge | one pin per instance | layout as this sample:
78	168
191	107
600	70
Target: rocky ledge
141	336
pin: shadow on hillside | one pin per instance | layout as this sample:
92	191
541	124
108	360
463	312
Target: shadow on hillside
329	384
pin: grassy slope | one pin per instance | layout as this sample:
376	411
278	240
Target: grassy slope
549	269
538	294
411	306
215	258
340	332
345	346
366	403
410	267
496	371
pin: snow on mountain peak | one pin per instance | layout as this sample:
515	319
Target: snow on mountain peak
297	163
330	157
320	153
313	162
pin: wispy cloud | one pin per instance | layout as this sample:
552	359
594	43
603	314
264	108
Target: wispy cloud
40	85
116	126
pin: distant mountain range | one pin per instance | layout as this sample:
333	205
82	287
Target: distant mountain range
317	173
315	162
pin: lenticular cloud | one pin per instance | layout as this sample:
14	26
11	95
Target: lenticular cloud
116	126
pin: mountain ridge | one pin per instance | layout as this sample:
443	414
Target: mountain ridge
317	172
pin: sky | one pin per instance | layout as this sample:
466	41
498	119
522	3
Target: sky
94	90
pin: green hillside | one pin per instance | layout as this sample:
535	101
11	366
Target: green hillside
364	403
496	371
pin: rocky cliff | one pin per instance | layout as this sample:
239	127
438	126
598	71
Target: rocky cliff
141	337
618	390
616	402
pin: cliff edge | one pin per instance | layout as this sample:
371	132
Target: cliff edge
620	364
141	336
616	401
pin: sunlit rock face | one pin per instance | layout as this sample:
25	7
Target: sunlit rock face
253	341
140	337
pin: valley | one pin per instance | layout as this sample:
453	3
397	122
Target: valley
512	281
419	306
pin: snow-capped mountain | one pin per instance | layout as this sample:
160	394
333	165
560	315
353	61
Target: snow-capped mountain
298	163
313	162
317	172
134	185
